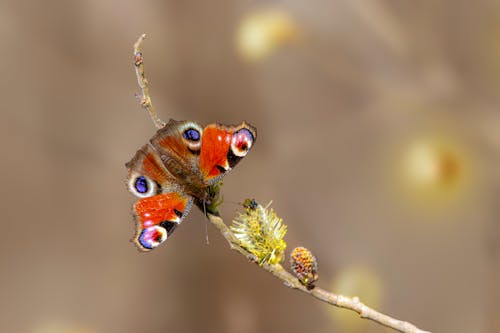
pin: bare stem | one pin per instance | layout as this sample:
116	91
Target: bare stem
353	304
144	98
277	270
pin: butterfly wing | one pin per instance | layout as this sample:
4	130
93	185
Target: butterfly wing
162	204
178	163
178	144
157	217
222	147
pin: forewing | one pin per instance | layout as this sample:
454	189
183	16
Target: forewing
222	148
179	141
147	175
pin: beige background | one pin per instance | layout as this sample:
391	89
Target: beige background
330	112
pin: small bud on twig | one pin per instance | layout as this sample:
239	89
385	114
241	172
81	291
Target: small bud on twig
305	266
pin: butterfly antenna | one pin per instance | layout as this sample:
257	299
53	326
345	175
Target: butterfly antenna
144	97
207	242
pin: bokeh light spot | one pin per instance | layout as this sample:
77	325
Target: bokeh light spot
433	171
260	33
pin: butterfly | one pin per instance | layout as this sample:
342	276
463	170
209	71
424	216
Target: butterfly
176	168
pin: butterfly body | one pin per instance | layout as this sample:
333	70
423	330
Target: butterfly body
175	168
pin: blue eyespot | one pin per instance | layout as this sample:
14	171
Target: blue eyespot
242	142
191	134
152	237
141	184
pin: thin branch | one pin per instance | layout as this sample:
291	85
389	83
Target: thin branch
144	98
277	270
291	281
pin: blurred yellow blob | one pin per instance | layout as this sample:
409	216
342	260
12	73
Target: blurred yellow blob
260	33
433	170
355	281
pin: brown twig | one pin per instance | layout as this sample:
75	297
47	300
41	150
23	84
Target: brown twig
291	281
277	270
144	98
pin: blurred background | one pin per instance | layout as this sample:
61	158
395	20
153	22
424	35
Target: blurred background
378	142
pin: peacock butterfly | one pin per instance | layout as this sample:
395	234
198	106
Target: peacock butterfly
177	167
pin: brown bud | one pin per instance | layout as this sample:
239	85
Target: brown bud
137	59
305	266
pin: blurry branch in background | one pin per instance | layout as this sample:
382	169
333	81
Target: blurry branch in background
144	98
258	235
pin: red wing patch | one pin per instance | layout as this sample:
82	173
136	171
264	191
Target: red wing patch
157	217
215	145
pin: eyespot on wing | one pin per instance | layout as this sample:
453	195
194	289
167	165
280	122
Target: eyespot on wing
151	237
241	142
